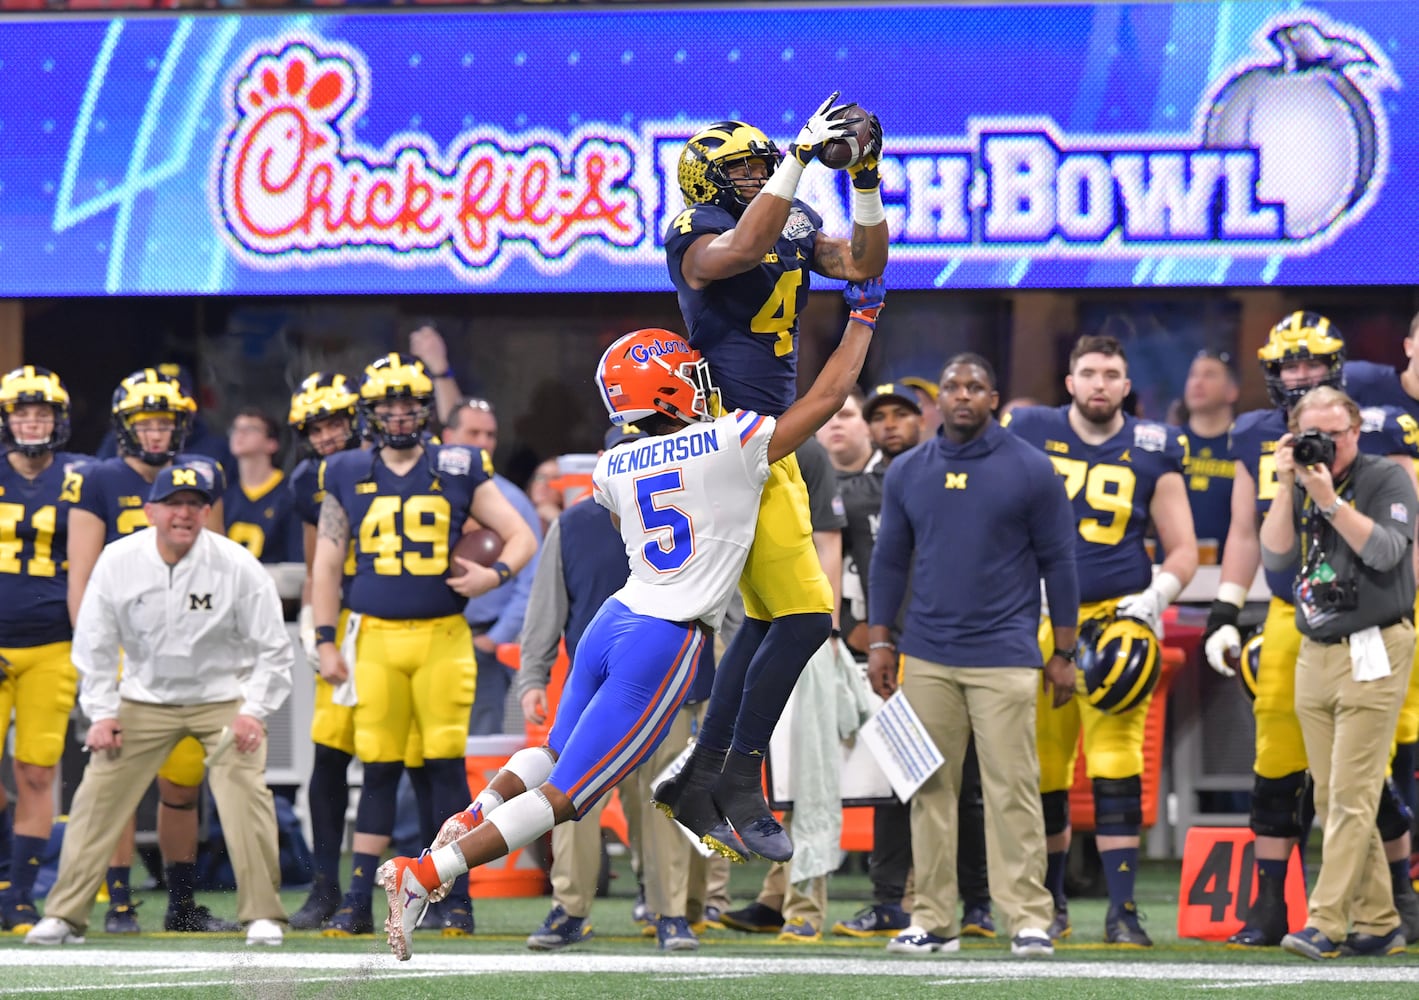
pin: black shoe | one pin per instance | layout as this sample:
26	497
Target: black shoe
351	919
319	906
18	915
1059	927
685	798
756	918
739	797
455	917
1122	927
122	919
1267	922
189	918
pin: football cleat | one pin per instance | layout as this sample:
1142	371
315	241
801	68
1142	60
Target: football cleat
1311	943
799	931
319	906
559	930
408	899
1059	928
453	829
19	916
674	934
977	922
1123	927
1359	945
353	919
878	920
455	918
756	918
189	918
122	919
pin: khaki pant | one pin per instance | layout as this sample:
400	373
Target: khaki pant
806	900
113	786
576	861
997	704
1348	727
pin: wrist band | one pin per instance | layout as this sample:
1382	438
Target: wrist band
881	645
784	182
835	633
324	633
446	373
503	571
867	207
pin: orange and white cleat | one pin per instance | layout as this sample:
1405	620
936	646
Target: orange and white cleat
453	828
408	897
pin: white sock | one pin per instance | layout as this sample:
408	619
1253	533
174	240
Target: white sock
487	800
449	862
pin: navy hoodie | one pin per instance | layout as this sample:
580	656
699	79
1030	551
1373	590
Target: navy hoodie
977	525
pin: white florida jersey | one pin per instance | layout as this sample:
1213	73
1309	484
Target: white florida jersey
688	504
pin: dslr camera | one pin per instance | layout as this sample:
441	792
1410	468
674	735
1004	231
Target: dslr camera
1313	448
1337	595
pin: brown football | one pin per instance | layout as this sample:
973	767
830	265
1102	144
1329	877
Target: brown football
839	154
481	545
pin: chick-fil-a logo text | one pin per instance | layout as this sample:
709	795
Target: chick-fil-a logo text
294	185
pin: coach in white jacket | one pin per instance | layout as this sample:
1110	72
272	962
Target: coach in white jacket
204	649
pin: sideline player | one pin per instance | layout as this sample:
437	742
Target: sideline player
258	505
1303	351
151	419
404	504
1121	473
683	501
323	416
740	256
39	484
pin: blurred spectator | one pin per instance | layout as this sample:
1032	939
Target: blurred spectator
258	508
1209	406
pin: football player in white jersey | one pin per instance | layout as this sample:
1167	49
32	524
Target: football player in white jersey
685	500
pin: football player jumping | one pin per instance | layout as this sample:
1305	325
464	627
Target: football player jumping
683	500
740	256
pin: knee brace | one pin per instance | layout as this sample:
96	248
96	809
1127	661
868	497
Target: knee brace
1118	806
1276	805
532	765
1393	816
378	797
1056	806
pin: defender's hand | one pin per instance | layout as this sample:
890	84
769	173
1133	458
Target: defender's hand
866	300
819	130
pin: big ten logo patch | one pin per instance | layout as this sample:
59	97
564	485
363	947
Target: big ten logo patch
1219	883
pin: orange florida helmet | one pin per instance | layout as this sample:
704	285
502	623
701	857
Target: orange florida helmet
654	371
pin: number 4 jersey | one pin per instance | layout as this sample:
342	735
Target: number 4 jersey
747	325
403	527
688	503
34	536
1111	488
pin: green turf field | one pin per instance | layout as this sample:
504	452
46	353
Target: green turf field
619	962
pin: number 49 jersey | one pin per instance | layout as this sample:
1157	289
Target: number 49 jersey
688	503
747	325
1111	487
34	535
403	527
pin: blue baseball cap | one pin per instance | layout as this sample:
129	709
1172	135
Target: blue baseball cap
180	479
618	434
889	392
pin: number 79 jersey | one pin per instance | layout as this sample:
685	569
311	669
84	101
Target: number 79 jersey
688	504
746	325
1110	486
403	527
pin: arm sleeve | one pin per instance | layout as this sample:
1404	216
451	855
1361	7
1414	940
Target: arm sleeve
259	618
892	555
1392	508
509	621
1052	531
546	617
96	645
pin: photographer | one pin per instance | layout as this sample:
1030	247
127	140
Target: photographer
1346	522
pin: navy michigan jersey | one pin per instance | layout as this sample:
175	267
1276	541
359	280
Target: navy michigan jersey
264	520
1110	487
34	536
306	492
115	492
746	325
1209	470
404	526
1371	384
1383	431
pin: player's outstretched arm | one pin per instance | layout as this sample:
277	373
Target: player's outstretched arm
830	389
736	250
865	254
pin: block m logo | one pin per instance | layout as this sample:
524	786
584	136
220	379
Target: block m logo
199	602
956	480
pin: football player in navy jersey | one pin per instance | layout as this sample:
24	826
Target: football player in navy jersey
740	256
1210	396
1121	473
323	417
151	416
1303	351
404	503
39	484
258	505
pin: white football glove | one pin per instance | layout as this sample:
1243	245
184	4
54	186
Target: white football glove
1148	606
819	129
1226	640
